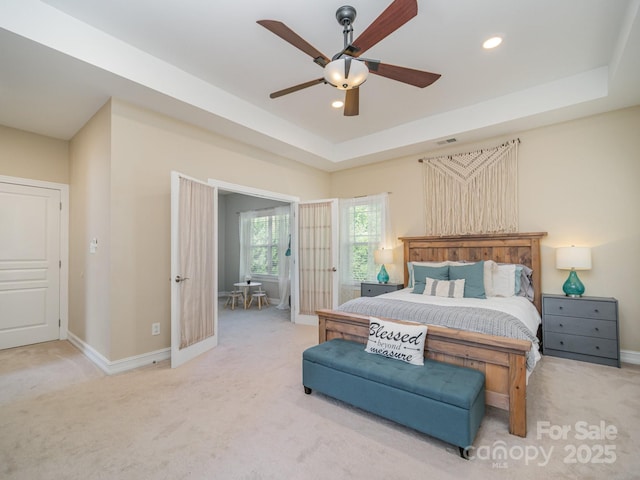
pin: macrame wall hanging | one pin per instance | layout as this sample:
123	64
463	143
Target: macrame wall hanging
474	192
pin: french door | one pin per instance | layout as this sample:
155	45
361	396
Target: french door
317	259
194	259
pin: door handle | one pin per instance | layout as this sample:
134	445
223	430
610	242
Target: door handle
181	279
334	269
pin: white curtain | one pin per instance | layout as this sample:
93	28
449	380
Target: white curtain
197	257
284	246
315	257
245	243
374	234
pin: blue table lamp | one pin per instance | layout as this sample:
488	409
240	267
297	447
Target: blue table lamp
573	258
381	257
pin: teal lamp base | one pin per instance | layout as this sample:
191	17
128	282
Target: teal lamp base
383	276
573	287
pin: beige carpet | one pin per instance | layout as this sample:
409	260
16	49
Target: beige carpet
239	412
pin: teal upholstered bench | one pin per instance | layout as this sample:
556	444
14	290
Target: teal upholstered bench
441	400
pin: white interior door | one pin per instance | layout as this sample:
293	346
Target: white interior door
194	259
317	259
29	265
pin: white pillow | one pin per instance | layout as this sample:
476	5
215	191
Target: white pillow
489	267
504	280
444	288
400	340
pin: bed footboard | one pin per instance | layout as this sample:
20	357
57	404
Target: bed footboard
502	360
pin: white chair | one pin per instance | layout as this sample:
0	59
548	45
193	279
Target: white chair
260	297
234	298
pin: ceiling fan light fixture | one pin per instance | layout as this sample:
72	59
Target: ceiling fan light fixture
347	70
334	73
337	104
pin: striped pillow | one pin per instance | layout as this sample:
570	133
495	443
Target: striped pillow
444	288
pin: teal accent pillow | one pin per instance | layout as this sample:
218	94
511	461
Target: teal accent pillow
420	274
473	275
518	284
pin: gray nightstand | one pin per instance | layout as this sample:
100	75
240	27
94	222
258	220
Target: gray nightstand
374	289
583	328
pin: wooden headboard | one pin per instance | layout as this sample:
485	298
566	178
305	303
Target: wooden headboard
522	248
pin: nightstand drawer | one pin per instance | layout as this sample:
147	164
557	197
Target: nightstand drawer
580	308
375	289
584	345
587	327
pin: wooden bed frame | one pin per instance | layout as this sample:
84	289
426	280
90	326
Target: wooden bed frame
501	359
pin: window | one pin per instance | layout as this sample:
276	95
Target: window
363	229
262	236
363	236
265	243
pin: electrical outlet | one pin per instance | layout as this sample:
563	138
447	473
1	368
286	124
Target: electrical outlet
155	329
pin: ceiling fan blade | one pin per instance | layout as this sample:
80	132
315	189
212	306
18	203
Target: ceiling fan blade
352	102
295	88
288	35
396	15
413	77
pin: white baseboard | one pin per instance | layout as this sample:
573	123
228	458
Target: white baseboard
118	366
630	356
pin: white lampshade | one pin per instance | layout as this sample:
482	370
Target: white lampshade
383	256
573	258
334	74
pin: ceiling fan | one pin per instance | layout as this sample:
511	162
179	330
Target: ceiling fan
345	70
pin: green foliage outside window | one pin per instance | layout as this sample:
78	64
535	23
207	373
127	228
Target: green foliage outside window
364	236
265	240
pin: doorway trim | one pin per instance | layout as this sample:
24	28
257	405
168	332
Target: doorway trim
64	242
281	197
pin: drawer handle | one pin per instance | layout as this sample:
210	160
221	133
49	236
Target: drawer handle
560	308
561	325
597	329
596	310
597	347
561	342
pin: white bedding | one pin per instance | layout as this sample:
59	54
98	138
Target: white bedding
519	307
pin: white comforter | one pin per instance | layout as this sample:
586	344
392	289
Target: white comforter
520	307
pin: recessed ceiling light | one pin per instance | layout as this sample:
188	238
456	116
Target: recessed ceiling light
337	104
493	42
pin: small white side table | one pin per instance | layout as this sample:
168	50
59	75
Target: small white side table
246	289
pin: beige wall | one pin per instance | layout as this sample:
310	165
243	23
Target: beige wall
27	155
89	217
118	168
577	180
145	148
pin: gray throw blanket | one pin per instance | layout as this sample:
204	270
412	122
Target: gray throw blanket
481	320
